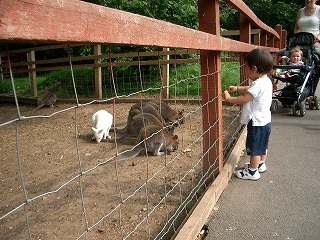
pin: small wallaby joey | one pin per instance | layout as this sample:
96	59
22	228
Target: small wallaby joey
158	142
49	99
138	122
101	124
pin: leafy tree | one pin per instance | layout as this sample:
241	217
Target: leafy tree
185	13
181	12
273	12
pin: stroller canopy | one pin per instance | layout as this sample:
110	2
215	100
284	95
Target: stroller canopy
300	39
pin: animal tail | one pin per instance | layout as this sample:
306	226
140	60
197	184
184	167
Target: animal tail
35	109
122	138
38	107
118	130
131	153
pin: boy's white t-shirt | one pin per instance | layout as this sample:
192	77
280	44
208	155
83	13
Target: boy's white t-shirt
258	109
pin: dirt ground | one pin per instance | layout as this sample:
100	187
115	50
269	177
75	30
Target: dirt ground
133	199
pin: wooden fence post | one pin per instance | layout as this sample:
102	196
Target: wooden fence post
32	74
211	92
165	76
257	39
263	38
278	43
245	36
97	73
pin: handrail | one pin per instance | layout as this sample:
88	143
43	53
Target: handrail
243	8
98	24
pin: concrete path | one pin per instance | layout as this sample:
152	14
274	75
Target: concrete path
285	202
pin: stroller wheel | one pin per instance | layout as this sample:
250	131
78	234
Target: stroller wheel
311	102
295	108
303	108
316	102
299	108
274	106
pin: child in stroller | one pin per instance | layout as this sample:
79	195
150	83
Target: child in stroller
295	59
300	79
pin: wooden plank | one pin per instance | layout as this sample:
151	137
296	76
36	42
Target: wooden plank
71	21
39	48
103	56
252	18
211	84
33	75
237	32
97	73
203	210
115	64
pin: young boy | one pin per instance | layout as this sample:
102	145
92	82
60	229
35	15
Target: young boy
256	100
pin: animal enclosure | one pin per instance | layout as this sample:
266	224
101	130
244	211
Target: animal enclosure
69	189
52	166
57	183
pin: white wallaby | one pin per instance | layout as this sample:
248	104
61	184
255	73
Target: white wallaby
101	124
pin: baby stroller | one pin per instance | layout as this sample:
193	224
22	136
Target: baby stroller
299	87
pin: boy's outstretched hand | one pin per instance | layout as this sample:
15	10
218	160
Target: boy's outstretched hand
230	90
226	95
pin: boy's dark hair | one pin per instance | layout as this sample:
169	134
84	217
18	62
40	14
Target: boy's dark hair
260	58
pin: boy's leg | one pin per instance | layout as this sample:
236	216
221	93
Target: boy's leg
251	172
255	161
262	167
264	157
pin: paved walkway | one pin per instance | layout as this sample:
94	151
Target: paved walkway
285	202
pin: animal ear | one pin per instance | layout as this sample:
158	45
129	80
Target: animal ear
100	130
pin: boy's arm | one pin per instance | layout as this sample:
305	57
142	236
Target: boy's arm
242	89
244	98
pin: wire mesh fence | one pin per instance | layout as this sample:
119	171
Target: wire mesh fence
58	183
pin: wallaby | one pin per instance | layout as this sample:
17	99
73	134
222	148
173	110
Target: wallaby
101	124
169	115
158	142
138	122
137	109
49	99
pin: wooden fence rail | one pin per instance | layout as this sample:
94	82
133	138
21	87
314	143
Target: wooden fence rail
27	63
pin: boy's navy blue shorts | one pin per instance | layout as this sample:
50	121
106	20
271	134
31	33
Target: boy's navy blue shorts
257	139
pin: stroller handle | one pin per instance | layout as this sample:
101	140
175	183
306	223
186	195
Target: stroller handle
304	67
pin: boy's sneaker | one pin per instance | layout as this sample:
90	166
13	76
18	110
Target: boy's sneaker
261	168
248	174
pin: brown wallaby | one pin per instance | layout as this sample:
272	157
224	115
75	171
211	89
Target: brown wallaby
138	122
137	109
49	99
169	115
158	142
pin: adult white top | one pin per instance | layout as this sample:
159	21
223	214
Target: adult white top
309	23
258	109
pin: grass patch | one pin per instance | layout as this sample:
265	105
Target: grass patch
22	85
